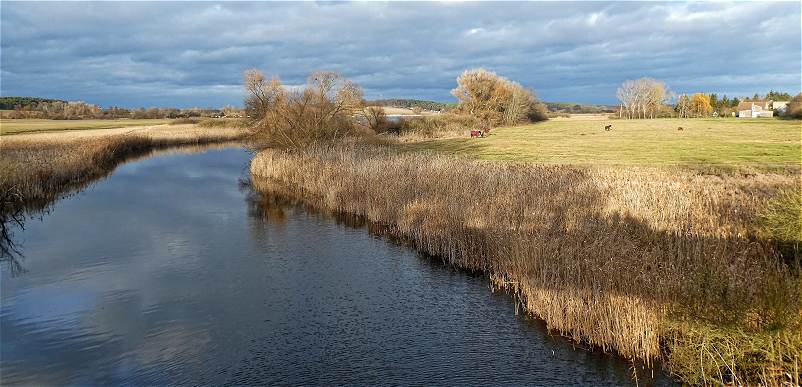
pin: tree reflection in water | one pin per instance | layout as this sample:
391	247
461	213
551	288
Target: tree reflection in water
11	217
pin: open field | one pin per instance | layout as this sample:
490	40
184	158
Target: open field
162	132
758	143
9	126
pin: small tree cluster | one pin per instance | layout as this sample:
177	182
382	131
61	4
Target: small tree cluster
56	109
496	100
697	105
642	98
323	110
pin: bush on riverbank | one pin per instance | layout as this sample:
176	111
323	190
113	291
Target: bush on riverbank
652	263
323	111
440	125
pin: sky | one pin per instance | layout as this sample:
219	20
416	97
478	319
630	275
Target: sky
190	54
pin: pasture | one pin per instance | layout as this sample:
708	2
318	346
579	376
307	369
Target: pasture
714	142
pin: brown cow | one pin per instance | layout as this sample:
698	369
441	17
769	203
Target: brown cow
608	127
476	133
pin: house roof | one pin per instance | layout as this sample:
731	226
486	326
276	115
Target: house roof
747	105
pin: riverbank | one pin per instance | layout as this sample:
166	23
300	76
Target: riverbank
654	263
36	169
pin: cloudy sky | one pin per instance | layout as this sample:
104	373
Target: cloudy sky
193	54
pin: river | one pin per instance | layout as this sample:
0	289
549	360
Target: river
172	271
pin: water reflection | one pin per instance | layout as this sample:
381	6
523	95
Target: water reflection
175	271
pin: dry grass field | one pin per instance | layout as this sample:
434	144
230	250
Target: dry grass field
714	142
15	126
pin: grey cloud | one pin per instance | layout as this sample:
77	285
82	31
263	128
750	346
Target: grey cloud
193	54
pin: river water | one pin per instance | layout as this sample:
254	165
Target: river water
172	271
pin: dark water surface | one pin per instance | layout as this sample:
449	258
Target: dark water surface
170	272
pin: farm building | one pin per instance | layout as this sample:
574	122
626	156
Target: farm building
779	106
754	109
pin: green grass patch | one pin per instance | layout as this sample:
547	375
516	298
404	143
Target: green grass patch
759	143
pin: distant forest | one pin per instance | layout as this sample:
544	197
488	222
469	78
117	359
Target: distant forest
412	103
56	109
559	107
576	108
10	103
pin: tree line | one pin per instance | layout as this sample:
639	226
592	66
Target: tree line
11	103
45	108
411	104
650	98
331	107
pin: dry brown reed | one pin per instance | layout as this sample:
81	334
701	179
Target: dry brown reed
39	169
443	125
652	263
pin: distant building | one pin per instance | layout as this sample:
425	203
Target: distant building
779	106
754	109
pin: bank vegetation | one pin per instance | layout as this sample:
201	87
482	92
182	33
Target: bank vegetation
650	263
330	107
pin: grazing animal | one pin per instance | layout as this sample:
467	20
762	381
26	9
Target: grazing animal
476	133
679	128
608	128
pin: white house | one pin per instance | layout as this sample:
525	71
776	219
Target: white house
779	106
754	109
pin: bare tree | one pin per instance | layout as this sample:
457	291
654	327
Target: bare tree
628	95
641	98
324	110
684	106
376	119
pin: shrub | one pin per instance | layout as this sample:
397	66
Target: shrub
496	100
322	111
375	119
436	125
794	109
222	123
184	121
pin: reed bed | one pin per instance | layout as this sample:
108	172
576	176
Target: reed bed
36	170
653	263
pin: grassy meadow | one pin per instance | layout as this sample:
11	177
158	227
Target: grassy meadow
18	126
713	142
